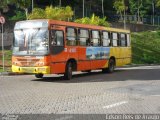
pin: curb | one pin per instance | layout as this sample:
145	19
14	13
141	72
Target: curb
11	73
139	65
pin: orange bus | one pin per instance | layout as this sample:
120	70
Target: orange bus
58	47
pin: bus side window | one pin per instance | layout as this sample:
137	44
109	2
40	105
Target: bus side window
128	40
71	36
106	39
57	38
83	37
95	41
115	39
122	40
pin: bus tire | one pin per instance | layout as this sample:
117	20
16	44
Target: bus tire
111	66
68	71
39	75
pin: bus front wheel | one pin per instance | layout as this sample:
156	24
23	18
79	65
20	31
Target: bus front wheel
68	71
39	75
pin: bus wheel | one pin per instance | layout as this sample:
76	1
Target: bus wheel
111	66
68	71
39	75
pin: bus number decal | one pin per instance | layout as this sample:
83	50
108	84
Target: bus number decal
72	50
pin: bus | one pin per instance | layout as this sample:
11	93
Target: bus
57	47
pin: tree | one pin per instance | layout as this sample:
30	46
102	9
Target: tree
37	13
140	7
19	15
119	5
157	3
4	5
23	4
94	20
50	12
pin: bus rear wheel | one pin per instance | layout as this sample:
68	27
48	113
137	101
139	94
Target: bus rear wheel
39	75
68	71
111	67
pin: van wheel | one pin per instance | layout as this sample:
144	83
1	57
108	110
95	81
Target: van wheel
111	66
68	71
39	75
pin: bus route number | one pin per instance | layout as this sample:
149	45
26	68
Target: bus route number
72	50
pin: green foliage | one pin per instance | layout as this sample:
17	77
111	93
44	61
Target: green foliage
94	20
146	47
50	12
158	3
19	16
144	6
119	5
7	57
4	5
23	4
37	13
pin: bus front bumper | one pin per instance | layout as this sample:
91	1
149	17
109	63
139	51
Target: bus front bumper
43	70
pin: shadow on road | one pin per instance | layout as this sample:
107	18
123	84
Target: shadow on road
118	75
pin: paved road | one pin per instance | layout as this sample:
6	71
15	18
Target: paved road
127	91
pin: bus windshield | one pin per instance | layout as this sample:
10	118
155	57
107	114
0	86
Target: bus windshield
31	41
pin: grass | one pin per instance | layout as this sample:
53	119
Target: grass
7	60
146	47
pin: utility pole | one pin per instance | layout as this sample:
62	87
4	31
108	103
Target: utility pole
124	20
60	3
153	8
32	5
102	9
83	8
2	21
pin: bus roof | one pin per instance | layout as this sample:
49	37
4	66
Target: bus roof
73	24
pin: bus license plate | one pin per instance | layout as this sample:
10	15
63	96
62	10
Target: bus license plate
28	70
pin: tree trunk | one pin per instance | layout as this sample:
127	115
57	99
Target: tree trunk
26	12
